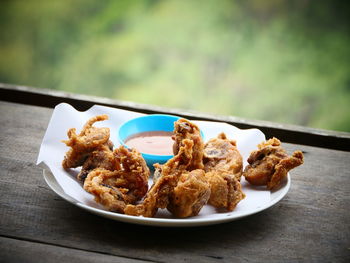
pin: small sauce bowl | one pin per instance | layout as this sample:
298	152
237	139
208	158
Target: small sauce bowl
147	123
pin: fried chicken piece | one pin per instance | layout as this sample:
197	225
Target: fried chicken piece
135	170
115	189
91	148
161	189
180	184
226	190
110	196
184	129
270	164
223	165
222	156
101	157
85	142
191	193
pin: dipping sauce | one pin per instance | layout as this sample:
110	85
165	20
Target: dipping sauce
154	142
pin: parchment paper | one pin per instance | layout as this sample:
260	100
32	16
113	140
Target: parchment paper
64	117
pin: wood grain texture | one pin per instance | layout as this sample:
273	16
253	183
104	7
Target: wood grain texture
14	250
311	224
288	133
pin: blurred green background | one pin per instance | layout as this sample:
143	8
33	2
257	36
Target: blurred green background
281	61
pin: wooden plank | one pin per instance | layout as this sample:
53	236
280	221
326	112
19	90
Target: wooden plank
14	250
310	224
288	133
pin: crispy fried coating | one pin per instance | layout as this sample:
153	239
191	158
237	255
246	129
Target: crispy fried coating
222	156
223	165
226	190
197	174
135	170
184	190
115	189
184	129
116	178
270	164
180	184
109	195
191	193
85	142
161	189
101	157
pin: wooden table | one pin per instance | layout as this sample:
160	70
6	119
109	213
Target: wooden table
311	224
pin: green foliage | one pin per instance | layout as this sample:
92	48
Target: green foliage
283	61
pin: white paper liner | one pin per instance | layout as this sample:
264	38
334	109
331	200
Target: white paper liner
64	117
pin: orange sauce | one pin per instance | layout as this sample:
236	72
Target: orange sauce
154	142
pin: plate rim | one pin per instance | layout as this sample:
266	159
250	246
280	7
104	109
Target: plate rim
163	222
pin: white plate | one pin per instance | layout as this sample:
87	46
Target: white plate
207	216
65	184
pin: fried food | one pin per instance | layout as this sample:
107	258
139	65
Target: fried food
223	165
226	190
191	193
270	164
101	157
91	148
84	143
184	129
180	184
197	174
115	189
161	189
134	170
222	156
114	178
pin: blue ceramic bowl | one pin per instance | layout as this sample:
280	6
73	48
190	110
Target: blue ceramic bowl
148	123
